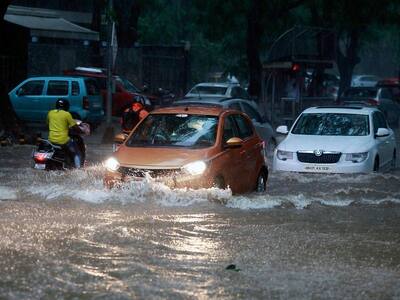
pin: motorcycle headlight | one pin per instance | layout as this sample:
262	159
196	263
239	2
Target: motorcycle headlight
284	155
356	157
112	164
195	168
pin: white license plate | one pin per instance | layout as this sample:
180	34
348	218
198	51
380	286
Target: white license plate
317	168
40	166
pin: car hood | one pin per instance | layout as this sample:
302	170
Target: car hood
344	144
158	158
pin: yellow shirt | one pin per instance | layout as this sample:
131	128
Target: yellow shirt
59	122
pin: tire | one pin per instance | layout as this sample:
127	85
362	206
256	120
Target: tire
394	161
376	165
219	183
261	184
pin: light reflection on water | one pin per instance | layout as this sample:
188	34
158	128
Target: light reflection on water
62	235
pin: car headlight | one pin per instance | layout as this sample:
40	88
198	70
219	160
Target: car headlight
112	164
357	157
284	155
195	168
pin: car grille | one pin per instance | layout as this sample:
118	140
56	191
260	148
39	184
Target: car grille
154	173
325	158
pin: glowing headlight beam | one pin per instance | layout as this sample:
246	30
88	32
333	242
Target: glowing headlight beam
195	168
112	164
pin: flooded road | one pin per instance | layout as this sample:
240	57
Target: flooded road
63	236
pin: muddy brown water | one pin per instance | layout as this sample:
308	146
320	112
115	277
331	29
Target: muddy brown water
63	236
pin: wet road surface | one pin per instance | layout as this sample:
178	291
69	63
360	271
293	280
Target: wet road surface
63	236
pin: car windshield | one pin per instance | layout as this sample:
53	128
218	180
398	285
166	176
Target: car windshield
128	85
360	93
209	90
175	130
332	124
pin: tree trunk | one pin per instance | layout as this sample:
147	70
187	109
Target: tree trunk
348	60
253	36
127	13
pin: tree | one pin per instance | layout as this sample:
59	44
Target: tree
352	21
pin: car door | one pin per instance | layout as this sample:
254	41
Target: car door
232	156
27	98
249	152
383	143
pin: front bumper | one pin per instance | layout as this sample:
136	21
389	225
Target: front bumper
342	166
176	179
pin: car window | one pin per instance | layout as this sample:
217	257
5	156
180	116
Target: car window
75	90
31	88
335	124
175	130
235	105
361	93
57	88
208	90
245	129
235	92
91	87
379	121
251	112
229	128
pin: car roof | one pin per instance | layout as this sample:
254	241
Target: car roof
355	109
58	77
190	109
217	84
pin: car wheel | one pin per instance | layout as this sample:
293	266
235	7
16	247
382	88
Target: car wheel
376	164
261	186
394	160
219	182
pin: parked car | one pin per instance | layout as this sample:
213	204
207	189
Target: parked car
211	89
337	140
262	125
364	80
393	84
35	96
124	94
381	97
193	147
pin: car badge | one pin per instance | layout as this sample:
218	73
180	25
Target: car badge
318	152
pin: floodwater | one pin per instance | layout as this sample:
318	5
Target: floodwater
63	236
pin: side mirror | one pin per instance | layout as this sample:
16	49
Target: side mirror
234	142
382	132
283	129
120	138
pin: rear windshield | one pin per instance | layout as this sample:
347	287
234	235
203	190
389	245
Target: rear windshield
332	124
175	130
92	87
209	90
361	93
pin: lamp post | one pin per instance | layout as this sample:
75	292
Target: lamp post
109	130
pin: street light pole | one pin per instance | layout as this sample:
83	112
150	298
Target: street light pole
109	131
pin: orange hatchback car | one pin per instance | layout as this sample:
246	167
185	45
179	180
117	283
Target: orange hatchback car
193	147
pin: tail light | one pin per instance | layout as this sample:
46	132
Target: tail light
373	102
85	102
40	157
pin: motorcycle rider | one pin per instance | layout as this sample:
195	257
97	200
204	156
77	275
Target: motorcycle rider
60	121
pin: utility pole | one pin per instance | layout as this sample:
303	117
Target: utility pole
109	131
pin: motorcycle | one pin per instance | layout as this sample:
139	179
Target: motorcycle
49	156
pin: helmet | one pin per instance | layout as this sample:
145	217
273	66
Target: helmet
62	104
136	106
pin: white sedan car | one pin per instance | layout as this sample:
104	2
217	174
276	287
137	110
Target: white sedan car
337	140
